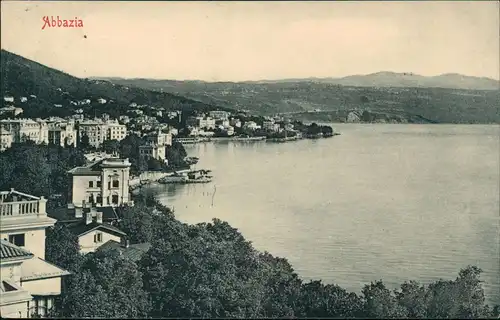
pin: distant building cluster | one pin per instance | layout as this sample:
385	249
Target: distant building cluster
50	131
59	131
99	130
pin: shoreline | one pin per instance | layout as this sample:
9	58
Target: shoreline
252	139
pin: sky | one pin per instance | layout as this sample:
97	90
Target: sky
238	41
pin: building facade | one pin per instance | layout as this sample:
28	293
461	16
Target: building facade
62	132
156	146
29	283
10	111
219	115
53	130
92	232
270	125
22	130
201	122
99	130
102	183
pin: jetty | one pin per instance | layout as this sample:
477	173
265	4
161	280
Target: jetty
194	176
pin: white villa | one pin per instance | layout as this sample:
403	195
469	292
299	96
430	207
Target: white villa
101	183
156	146
29	284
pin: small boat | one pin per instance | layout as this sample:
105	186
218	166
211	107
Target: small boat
198	176
192	160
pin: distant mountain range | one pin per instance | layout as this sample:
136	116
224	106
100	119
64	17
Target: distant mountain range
55	91
380	79
406	80
390	95
327	100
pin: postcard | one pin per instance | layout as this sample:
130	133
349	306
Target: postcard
226	159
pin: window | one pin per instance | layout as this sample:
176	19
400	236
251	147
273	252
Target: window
17	239
116	183
91	199
99	199
99	184
98	237
91	184
114	199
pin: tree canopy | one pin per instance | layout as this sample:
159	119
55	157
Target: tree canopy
39	170
209	270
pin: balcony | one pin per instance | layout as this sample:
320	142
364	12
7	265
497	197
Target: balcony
15	204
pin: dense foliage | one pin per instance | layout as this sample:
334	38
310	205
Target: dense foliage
62	248
209	270
176	155
38	169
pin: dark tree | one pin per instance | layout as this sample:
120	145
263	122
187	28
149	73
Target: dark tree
84	142
37	169
62	248
107	286
176	155
111	146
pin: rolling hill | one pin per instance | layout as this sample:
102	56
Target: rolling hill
302	99
21	77
406	80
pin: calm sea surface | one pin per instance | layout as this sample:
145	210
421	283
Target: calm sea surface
391	202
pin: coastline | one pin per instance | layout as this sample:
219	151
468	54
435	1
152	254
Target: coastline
184	141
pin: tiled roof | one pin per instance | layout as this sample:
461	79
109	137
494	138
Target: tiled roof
64	214
81	228
95	167
91	169
9	251
134	252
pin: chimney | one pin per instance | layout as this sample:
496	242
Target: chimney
88	219
99	217
78	212
125	242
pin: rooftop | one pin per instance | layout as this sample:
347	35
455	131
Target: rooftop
94	168
16	196
21	209
133	252
9	252
80	228
38	268
64	214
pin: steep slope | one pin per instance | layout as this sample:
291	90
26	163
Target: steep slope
21	77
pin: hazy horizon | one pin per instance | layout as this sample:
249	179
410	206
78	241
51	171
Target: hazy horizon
257	41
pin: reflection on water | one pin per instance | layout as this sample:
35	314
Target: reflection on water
391	202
